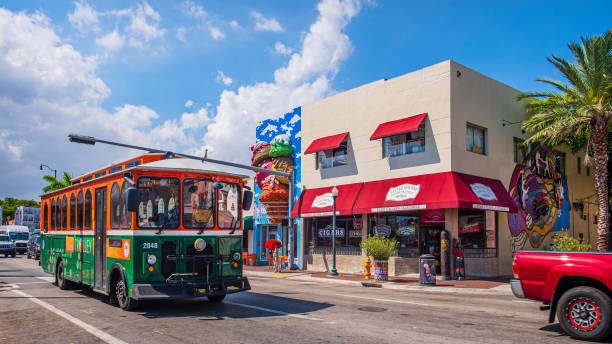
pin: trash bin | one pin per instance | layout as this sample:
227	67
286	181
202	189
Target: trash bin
427	269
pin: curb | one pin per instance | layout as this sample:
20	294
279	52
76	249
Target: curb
306	277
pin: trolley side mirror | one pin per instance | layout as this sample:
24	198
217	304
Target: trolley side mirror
247	199
133	199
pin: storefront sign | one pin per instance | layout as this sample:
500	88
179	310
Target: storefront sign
483	192
432	216
357	223
327	232
323	201
403	192
354	234
382	230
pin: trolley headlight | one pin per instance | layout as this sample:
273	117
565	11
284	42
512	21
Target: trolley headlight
199	244
236	256
151	259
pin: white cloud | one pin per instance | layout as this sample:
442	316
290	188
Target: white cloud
304	79
234	24
216	33
84	17
111	41
266	24
189	103
226	80
195	120
282	49
190	9
180	34
144	25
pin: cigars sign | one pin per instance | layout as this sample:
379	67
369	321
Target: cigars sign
403	192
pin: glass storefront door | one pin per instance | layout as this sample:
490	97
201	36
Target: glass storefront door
430	242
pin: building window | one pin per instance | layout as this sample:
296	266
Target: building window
45	217
126	215
519	151
87	223
64	212
413	142
477	231
348	235
475	139
578	165
72	211
403	228
80	210
333	157
115	206
560	162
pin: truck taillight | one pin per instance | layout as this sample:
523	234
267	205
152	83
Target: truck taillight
515	269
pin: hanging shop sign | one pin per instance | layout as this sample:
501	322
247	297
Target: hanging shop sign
403	192
382	230
432	216
323	201
483	192
326	232
357	223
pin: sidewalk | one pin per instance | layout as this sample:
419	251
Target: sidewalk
410	282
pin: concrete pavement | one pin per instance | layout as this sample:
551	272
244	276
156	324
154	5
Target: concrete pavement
276	310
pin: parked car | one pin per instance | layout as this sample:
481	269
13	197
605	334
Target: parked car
7	246
575	286
33	249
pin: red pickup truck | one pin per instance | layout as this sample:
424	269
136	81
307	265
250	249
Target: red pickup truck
576	286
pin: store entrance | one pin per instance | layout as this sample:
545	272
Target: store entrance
430	242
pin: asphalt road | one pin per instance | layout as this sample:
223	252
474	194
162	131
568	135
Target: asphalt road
275	311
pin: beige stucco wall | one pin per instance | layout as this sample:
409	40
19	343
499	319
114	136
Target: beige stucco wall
362	109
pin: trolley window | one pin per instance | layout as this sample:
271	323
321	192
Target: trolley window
87	210
64	212
159	202
58	214
45	217
126	216
198	203
80	210
72	211
52	214
228	206
115	206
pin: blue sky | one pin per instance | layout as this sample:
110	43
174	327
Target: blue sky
194	75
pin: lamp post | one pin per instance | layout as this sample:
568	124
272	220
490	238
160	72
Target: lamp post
50	169
334	272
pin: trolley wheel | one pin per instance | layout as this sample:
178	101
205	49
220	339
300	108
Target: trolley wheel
216	298
60	278
584	312
124	301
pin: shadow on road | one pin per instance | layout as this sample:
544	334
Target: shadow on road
556	328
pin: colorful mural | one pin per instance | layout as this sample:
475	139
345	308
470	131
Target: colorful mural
541	195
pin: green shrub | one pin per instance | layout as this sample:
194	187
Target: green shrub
380	248
564	242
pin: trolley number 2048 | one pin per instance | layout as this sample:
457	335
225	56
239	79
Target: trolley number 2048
149	245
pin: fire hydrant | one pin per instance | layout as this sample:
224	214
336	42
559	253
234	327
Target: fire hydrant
367	265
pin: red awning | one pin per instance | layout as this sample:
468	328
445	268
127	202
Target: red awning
401	126
433	191
325	143
318	202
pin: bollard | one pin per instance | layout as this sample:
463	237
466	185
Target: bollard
367	265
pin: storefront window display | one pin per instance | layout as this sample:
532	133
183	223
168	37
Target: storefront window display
477	232
348	233
402	227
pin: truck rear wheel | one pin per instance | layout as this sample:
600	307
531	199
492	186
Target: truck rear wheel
585	313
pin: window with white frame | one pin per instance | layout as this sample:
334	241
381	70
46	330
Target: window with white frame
402	144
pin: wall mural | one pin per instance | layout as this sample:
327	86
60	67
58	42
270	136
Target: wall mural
279	148
541	195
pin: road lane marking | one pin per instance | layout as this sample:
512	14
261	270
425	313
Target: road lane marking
300	316
45	282
47	278
388	300
107	338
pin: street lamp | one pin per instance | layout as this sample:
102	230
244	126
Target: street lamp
50	169
334	272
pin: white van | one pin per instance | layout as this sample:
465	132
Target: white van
19	234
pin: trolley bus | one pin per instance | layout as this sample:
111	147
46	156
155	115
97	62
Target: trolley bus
150	227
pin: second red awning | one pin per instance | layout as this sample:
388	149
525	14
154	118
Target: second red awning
433	191
400	126
319	202
325	143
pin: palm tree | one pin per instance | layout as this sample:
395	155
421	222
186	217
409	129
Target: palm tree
55	184
583	106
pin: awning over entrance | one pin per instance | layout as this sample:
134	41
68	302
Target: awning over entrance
401	126
433	191
325	143
318	202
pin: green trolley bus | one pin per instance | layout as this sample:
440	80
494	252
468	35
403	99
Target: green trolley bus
150	227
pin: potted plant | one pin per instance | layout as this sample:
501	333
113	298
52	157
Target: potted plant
380	248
